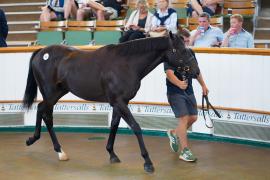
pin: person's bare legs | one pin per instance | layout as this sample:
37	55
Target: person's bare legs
197	8
70	9
195	14
47	15
192	119
83	13
100	15
96	6
181	130
80	14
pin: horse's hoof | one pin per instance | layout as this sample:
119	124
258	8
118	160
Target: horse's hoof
29	141
114	160
149	168
62	156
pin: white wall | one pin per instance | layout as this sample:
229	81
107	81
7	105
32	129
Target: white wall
236	81
239	81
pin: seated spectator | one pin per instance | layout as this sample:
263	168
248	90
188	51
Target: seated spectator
165	18
139	22
114	6
206	35
197	7
89	9
54	10
236	36
3	29
85	9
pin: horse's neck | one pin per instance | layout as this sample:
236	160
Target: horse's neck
150	63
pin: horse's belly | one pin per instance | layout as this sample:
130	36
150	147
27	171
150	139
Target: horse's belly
87	90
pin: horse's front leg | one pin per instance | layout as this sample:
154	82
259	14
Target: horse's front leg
128	117
110	144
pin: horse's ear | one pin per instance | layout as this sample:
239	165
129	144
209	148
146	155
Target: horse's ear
171	34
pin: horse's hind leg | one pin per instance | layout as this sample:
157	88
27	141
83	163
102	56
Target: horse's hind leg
45	112
48	119
114	126
126	114
36	135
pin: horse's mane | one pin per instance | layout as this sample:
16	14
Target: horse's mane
140	45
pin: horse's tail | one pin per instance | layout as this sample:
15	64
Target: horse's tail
31	87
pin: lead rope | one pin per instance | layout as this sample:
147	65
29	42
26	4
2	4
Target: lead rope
207	109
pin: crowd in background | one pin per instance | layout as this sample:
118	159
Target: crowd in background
142	23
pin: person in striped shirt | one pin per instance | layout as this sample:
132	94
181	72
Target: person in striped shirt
54	10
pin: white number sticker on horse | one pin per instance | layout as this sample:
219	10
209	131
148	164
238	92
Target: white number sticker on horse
46	57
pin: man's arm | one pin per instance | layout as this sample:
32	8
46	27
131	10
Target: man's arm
225	42
173	79
194	36
203	85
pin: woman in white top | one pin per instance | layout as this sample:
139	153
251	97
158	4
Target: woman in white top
139	22
165	18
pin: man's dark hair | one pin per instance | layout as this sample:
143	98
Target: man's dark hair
205	14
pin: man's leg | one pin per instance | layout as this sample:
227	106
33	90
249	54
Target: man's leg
184	123
191	120
181	131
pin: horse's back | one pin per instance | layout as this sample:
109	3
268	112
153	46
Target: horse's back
70	69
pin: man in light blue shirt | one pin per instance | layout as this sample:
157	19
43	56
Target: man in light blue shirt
206	35
236	36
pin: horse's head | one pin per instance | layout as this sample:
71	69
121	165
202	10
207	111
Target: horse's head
181	57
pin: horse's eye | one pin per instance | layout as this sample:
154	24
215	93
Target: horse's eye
186	68
174	50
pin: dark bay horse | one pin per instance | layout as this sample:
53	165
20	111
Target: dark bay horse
109	74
